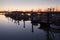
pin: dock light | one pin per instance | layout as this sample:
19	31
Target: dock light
28	14
39	13
22	14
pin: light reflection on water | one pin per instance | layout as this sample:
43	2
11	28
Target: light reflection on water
24	30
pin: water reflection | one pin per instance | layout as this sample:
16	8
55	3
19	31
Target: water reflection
28	28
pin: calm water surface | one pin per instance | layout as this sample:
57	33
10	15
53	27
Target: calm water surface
24	30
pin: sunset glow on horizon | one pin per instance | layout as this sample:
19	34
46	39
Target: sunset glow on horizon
13	5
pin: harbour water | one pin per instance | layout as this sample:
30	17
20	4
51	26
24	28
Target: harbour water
11	29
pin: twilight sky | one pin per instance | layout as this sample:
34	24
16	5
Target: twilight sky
28	4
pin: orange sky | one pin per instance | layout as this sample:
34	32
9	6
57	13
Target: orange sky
13	5
27	9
